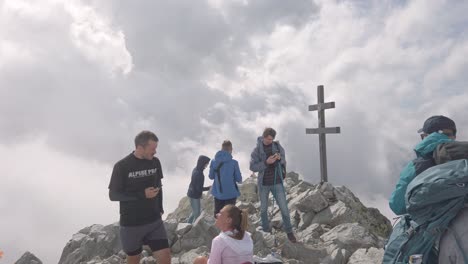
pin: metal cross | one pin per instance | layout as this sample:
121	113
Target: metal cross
322	130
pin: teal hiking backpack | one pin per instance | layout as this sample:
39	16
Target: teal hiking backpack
433	200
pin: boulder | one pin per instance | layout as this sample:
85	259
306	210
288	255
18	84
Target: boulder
248	190
28	258
367	256
97	240
307	201
350	237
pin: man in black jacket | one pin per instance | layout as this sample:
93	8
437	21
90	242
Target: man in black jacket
136	184
196	188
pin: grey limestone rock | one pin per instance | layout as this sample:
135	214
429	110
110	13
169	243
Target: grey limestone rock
331	225
28	258
369	255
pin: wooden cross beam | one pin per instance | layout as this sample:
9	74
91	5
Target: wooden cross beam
322	130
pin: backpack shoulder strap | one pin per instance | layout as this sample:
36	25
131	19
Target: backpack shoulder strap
279	168
217	170
421	164
219	166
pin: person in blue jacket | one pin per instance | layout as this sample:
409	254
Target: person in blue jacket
196	188
225	172
436	130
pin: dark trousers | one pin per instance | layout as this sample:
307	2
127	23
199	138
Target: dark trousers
219	204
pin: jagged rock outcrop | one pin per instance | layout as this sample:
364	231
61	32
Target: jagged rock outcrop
90	242
28	258
332	226
370	255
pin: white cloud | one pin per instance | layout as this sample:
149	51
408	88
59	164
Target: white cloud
94	36
48	196
33	10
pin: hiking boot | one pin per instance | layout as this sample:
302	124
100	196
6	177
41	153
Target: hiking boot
292	238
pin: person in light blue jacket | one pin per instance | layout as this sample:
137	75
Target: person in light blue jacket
436	130
225	172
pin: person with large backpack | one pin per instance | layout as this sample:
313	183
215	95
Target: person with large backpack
436	130
225	172
434	200
269	160
453	247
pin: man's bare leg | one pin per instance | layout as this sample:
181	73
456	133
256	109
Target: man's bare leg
133	259
163	256
200	260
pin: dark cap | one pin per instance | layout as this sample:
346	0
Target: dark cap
436	123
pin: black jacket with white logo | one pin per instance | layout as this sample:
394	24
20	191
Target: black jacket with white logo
130	177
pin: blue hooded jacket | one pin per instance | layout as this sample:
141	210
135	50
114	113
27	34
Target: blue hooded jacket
424	160
229	175
196	188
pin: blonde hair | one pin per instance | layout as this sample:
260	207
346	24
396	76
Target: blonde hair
240	219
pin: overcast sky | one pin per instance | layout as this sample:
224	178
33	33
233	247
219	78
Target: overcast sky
79	79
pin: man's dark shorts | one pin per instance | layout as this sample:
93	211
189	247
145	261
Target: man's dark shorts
134	237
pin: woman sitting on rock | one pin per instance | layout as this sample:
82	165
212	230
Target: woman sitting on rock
234	244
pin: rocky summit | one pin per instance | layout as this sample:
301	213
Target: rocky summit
331	226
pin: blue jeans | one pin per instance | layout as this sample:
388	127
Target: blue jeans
280	196
195	203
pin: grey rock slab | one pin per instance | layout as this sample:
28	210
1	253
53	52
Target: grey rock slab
367	256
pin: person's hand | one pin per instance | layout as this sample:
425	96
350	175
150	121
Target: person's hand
271	159
278	156
151	192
